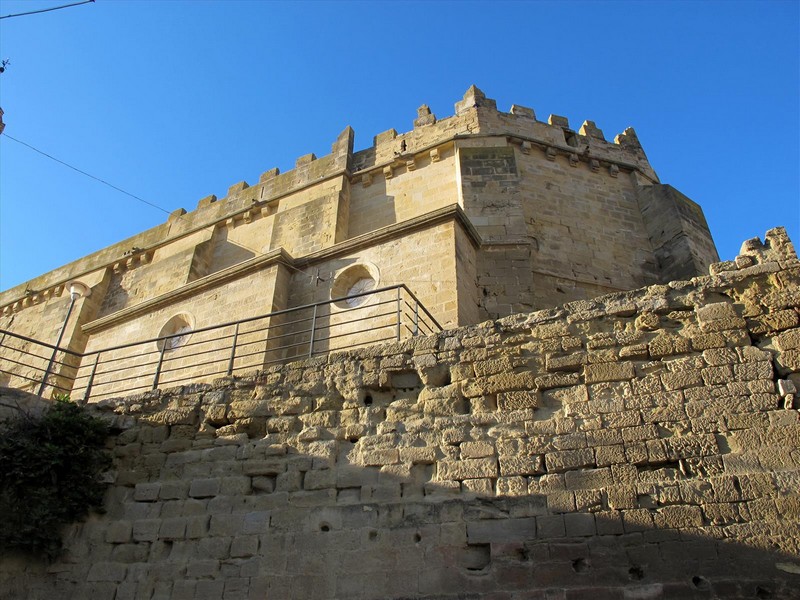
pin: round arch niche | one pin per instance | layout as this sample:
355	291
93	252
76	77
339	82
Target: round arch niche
179	325
355	279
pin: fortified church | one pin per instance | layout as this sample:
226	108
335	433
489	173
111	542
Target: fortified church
481	215
489	358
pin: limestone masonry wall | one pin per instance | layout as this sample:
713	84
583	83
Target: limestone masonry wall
640	445
481	214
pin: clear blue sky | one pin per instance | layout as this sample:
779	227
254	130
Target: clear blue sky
172	100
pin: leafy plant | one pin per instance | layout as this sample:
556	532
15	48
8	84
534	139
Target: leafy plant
50	469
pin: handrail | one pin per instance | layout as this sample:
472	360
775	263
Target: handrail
148	363
4	332
256	318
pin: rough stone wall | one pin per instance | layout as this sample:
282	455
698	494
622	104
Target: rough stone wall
641	445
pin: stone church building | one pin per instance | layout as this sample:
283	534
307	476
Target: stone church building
479	215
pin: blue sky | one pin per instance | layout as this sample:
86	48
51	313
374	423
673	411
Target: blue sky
173	101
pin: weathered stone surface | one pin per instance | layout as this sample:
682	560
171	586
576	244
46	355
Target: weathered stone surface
475	468
679	451
622	371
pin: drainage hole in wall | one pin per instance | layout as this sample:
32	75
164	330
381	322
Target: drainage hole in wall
635	573
324	527
763	593
580	565
373	535
417	538
476	558
367	400
701	583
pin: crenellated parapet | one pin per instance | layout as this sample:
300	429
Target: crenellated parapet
476	115
390	155
483	213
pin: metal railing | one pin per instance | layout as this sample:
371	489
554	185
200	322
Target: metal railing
236	347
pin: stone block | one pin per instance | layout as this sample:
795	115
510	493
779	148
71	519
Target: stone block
522	465
503	382
621	371
209	589
226	525
635	520
107	571
717	375
484	368
579	525
550	526
609	523
196	527
244	546
753	371
146	530
622	497
119	532
380	457
173	490
681	380
509	401
560	502
235	486
146	492
255	523
608	455
588	479
569	459
718	317
494	531
173	528
476	449
788	340
475	468
204	488
264	467
510	486
482	487
679	517
570	362
290	481
557	380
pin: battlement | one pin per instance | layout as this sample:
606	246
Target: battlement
481	215
391	154
475	115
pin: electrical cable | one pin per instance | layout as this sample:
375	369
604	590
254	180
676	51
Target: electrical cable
210	227
123	191
87	174
34	12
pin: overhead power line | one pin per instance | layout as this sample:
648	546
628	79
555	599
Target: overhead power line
87	174
43	10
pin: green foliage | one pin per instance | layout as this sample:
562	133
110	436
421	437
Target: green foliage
50	469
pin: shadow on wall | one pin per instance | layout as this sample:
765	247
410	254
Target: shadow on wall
371	207
191	515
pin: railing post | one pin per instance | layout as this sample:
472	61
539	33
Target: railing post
233	350
91	377
160	361
398	313
72	299
313	329
416	317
